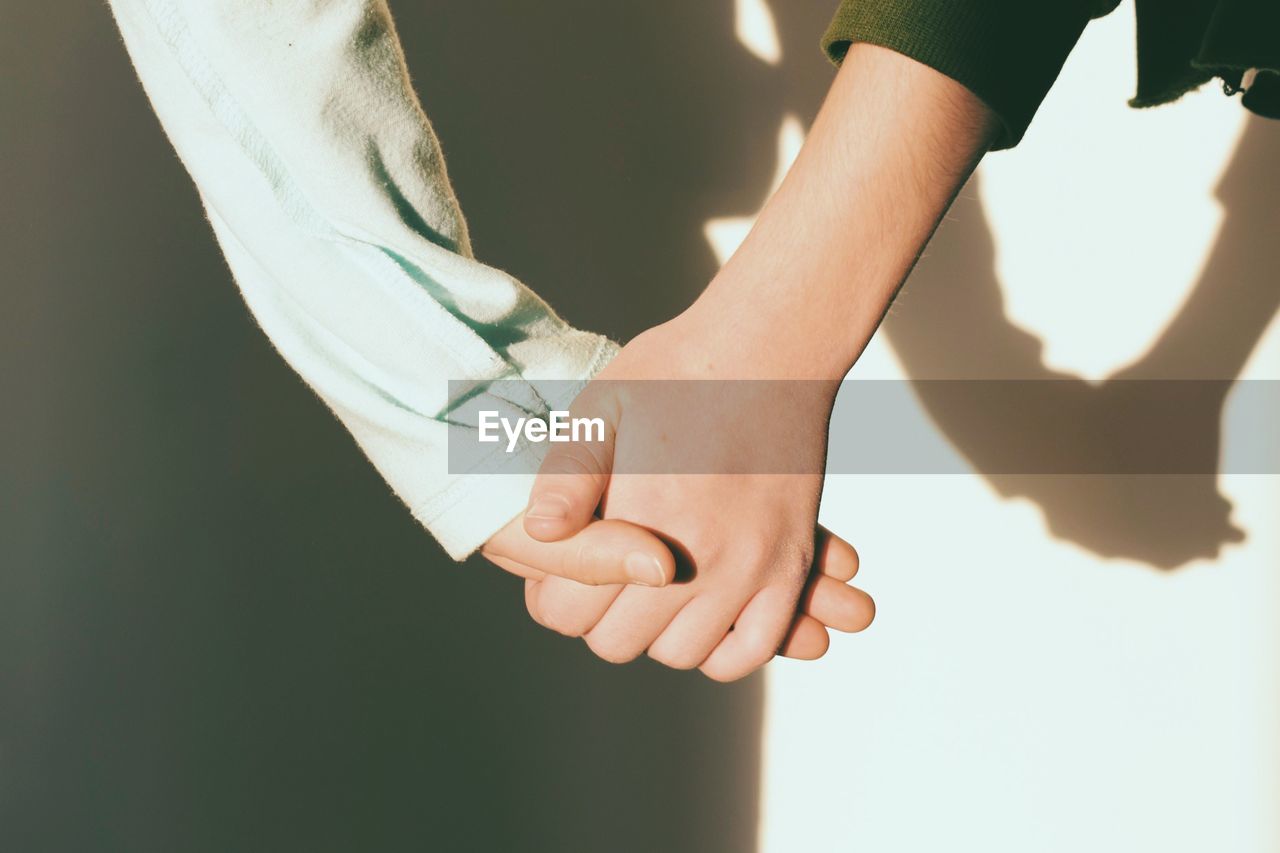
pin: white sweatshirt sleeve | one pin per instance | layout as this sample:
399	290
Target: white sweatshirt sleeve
327	192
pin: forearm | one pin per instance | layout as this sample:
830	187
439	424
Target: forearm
892	145
325	186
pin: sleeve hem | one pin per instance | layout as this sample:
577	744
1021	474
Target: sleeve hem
473	507
1008	54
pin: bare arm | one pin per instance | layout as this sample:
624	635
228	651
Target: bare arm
799	300
892	145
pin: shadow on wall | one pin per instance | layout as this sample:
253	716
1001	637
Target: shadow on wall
950	324
218	630
590	142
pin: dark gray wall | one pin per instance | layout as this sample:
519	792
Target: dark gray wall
218	630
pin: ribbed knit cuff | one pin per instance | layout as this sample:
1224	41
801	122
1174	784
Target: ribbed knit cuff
1007	52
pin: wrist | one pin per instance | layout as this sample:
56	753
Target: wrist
787	320
806	290
774	329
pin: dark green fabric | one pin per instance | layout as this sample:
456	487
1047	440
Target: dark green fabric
1237	35
1009	52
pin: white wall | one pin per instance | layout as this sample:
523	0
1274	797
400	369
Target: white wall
1019	692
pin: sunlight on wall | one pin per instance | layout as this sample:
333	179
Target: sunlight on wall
726	235
1017	691
1104	216
756	30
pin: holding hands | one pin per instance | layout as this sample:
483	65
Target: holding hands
740	571
777	330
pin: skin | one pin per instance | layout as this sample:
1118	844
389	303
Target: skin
800	299
827	601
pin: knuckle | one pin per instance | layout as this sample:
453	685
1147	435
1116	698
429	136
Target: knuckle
535	614
586	564
748	663
561	617
798	559
573	462
758	657
723	673
676	658
612	648
782	562
789	565
760	647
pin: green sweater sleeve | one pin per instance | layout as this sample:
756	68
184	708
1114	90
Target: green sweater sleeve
1007	52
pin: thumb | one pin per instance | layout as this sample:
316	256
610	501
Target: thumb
570	483
603	552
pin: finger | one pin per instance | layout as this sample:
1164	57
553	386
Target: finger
756	637
837	605
570	483
532	591
807	640
516	568
605	552
568	607
635	620
696	630
833	556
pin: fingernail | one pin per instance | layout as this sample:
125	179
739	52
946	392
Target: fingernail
549	508
645	569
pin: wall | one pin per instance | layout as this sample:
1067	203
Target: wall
1064	663
219	631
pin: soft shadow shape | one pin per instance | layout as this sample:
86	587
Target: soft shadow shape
951	324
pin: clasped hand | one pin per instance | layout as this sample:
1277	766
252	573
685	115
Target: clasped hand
702	500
